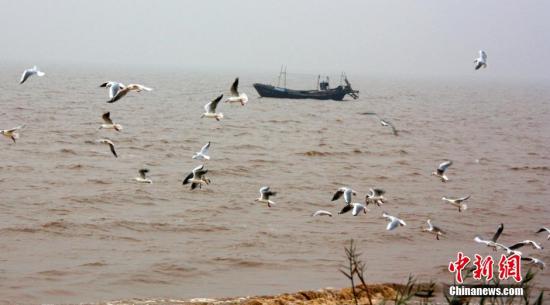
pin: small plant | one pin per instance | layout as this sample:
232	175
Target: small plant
355	268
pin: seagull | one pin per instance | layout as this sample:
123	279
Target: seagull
210	109
535	261
109	123
457	202
114	87
237	97
13	133
386	123
394	221
493	242
433	229
111	145
346	191
355	209
143	176
481	61
196	177
30	72
265	193
440	172
544	229
322	213
375	195
203	154
527	242
124	90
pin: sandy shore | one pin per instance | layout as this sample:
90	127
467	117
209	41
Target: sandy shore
327	296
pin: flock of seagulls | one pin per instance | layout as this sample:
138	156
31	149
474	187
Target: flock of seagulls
197	177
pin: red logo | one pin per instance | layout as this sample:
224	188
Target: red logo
508	267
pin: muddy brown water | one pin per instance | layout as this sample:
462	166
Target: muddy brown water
75	227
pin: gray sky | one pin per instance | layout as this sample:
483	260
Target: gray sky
396	38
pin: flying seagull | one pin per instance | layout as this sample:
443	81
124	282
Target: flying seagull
203	154
375	196
355	209
197	177
30	72
534	261
13	133
322	213
544	229
114	87
237	97
265	193
433	229
124	90
394	222
210	109
109	123
457	202
440	172
143	176
386	123
346	191
527	242
111	145
481	61
493	241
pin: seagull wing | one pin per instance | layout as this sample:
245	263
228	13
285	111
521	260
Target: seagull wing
345	209
204	149
234	87
477	239
187	178
357	208
143	173
338	194
211	107
347	195
499	231
112	146
25	76
443	166
483	55
394	223
120	94
138	87
107	118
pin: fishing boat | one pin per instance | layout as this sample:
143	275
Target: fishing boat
323	91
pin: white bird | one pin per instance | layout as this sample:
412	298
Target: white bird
526	242
375	196
237	97
322	213
481	61
203	154
433	229
347	192
197	177
210	109
113	87
440	172
13	133
355	209
111	145
124	90
30	72
386	123
493	242
109	123
265	193
457	202
544	229
534	261
143	176
394	222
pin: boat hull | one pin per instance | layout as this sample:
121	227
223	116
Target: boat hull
336	94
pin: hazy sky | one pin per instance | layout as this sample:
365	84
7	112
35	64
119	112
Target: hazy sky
428	38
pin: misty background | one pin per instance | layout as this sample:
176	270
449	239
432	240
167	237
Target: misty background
375	38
